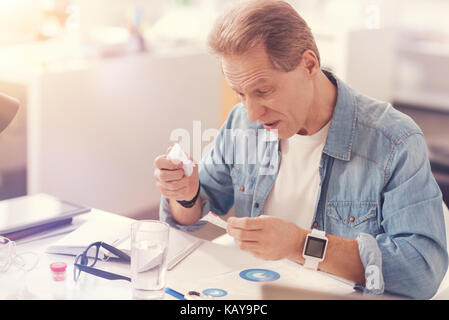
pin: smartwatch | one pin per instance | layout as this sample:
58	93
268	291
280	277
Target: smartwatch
314	249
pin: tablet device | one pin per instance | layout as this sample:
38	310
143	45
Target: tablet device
26	212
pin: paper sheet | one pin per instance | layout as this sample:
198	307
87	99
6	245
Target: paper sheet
291	274
180	245
214	219
116	232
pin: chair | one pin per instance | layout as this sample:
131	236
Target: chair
8	109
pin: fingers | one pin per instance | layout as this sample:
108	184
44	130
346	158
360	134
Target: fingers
172	181
247	233
245	223
244	235
248	245
161	162
168	175
173	185
265	237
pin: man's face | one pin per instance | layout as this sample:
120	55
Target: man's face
277	99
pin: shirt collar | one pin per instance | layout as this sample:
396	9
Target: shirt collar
342	128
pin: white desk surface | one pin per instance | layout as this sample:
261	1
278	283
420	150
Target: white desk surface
211	259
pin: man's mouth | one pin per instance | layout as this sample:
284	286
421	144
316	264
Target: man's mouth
271	125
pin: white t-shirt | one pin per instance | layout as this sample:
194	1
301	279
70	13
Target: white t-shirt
294	193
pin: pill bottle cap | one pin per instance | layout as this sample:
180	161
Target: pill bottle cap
58	266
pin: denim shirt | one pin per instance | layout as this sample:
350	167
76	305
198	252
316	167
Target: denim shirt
376	187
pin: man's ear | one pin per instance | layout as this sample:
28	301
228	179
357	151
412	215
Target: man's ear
8	109
309	61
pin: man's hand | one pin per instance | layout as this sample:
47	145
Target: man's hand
267	237
172	181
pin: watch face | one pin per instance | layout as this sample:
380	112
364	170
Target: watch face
315	247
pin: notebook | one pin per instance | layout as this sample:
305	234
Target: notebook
115	230
22	216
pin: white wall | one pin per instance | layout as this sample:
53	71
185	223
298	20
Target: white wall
94	133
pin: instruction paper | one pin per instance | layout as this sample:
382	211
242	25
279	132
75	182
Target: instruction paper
214	219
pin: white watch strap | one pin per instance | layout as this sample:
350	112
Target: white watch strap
311	263
318	232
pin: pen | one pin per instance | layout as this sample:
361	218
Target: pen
174	293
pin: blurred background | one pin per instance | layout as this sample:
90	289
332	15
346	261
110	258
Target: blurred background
104	85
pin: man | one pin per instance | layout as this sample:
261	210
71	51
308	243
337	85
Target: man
343	163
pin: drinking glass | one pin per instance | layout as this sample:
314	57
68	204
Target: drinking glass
149	245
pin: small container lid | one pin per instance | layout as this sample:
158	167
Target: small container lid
58	266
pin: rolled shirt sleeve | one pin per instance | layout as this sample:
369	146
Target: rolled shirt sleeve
371	258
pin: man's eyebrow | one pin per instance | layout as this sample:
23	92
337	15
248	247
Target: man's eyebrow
258	82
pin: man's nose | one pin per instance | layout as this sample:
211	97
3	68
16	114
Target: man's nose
255	109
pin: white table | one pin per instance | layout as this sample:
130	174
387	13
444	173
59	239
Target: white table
217	262
209	260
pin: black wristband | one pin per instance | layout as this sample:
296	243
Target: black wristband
191	203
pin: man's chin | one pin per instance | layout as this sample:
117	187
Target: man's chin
282	134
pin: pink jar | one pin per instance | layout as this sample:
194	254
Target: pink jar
58	270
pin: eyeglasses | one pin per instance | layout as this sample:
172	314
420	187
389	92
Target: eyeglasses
87	260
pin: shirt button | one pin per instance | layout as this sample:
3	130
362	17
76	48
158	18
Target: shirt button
256	205
351	219
315	224
242	188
